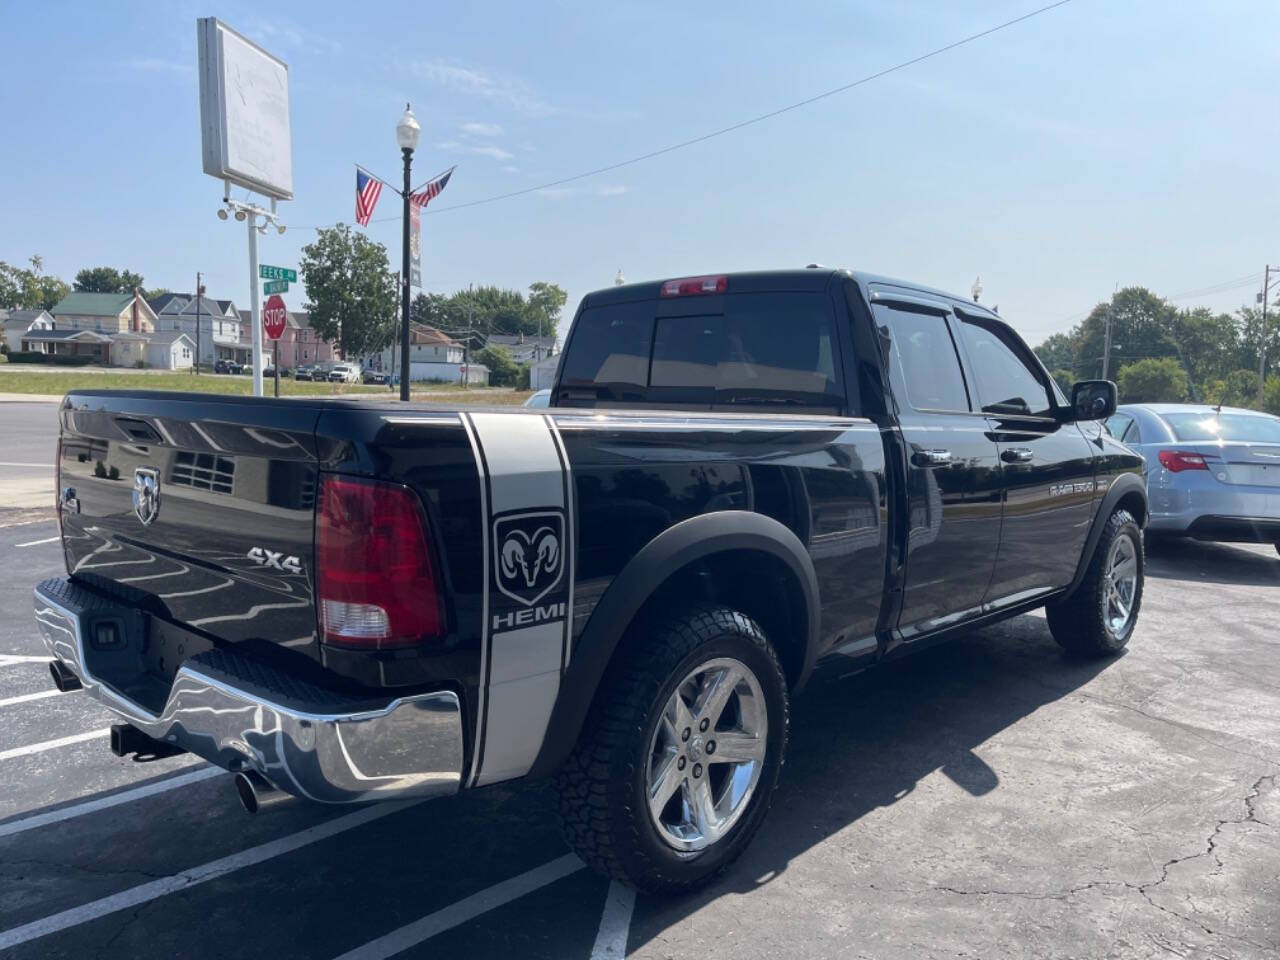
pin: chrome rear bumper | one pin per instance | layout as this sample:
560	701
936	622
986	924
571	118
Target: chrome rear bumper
242	715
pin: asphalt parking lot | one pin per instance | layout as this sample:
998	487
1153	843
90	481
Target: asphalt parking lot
988	798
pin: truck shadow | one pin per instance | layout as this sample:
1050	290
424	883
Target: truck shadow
1197	560
865	742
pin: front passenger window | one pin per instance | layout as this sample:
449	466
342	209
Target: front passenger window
1008	384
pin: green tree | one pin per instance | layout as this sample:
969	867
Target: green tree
1153	380
351	293
1239	388
107	280
546	300
1143	326
1064	379
154	292
1271	395
503	371
30	288
1249	327
1060	351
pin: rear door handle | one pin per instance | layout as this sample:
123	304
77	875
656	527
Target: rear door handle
1016	455
931	458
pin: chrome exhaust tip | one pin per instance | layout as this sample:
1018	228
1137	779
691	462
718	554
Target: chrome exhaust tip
63	678
257	793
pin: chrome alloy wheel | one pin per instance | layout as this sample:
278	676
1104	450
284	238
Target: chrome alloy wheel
1119	585
707	754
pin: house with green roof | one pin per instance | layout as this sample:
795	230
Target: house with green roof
125	318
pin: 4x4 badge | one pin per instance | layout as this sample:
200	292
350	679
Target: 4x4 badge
528	554
146	494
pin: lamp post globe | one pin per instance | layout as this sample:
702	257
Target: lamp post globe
976	289
408	130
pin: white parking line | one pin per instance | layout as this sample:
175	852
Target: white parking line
8	659
28	697
155	889
36	543
106	803
615	923
10	463
468	908
53	744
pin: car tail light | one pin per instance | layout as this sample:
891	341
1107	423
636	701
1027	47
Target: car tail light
1175	461
695	286
376	579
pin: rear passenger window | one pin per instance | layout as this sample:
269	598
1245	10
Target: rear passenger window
922	358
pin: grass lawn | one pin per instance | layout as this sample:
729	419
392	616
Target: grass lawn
58	381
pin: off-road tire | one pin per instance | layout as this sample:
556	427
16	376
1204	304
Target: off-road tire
603	811
1079	622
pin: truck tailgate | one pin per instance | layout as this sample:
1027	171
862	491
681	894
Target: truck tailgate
197	509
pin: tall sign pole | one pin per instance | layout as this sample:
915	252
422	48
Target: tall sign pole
254	307
1262	337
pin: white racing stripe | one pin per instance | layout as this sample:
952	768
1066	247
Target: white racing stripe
615	923
28	697
53	744
203	873
106	803
468	908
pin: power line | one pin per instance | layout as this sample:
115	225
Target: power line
744	123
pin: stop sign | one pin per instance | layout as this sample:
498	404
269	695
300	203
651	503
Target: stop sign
273	315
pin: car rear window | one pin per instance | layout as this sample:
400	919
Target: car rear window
1225	426
764	349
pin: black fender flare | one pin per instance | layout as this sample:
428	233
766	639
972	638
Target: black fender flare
690	540
1122	486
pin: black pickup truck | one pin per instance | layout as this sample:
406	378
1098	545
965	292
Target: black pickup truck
743	481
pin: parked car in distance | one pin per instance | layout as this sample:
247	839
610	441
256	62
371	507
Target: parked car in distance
227	366
541	398
375	377
305	372
344	373
1213	473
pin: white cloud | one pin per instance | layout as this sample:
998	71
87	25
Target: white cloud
471	82
482	129
480	150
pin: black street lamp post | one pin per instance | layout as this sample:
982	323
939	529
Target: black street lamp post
407	131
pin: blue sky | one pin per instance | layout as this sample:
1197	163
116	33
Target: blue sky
1103	142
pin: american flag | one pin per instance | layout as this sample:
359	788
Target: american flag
432	189
368	189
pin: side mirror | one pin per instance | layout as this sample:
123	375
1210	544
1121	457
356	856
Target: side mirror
1093	399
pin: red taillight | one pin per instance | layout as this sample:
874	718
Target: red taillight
693	286
1175	461
376	584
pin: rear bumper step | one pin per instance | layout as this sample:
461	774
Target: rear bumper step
244	716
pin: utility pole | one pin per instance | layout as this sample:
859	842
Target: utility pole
199	291
1106	347
466	348
1262	336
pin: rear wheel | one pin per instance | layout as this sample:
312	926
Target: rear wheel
680	756
1098	618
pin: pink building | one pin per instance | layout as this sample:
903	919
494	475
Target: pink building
300	346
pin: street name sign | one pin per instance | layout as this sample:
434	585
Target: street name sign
268	272
276	286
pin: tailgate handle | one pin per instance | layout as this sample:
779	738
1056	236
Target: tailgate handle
138	430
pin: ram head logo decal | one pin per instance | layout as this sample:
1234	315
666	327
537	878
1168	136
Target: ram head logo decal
528	554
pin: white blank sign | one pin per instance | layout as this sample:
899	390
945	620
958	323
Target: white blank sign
244	111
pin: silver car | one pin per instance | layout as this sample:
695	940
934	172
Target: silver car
1213	473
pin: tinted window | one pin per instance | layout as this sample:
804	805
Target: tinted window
1226	426
922	358
610	350
1007	381
767	349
